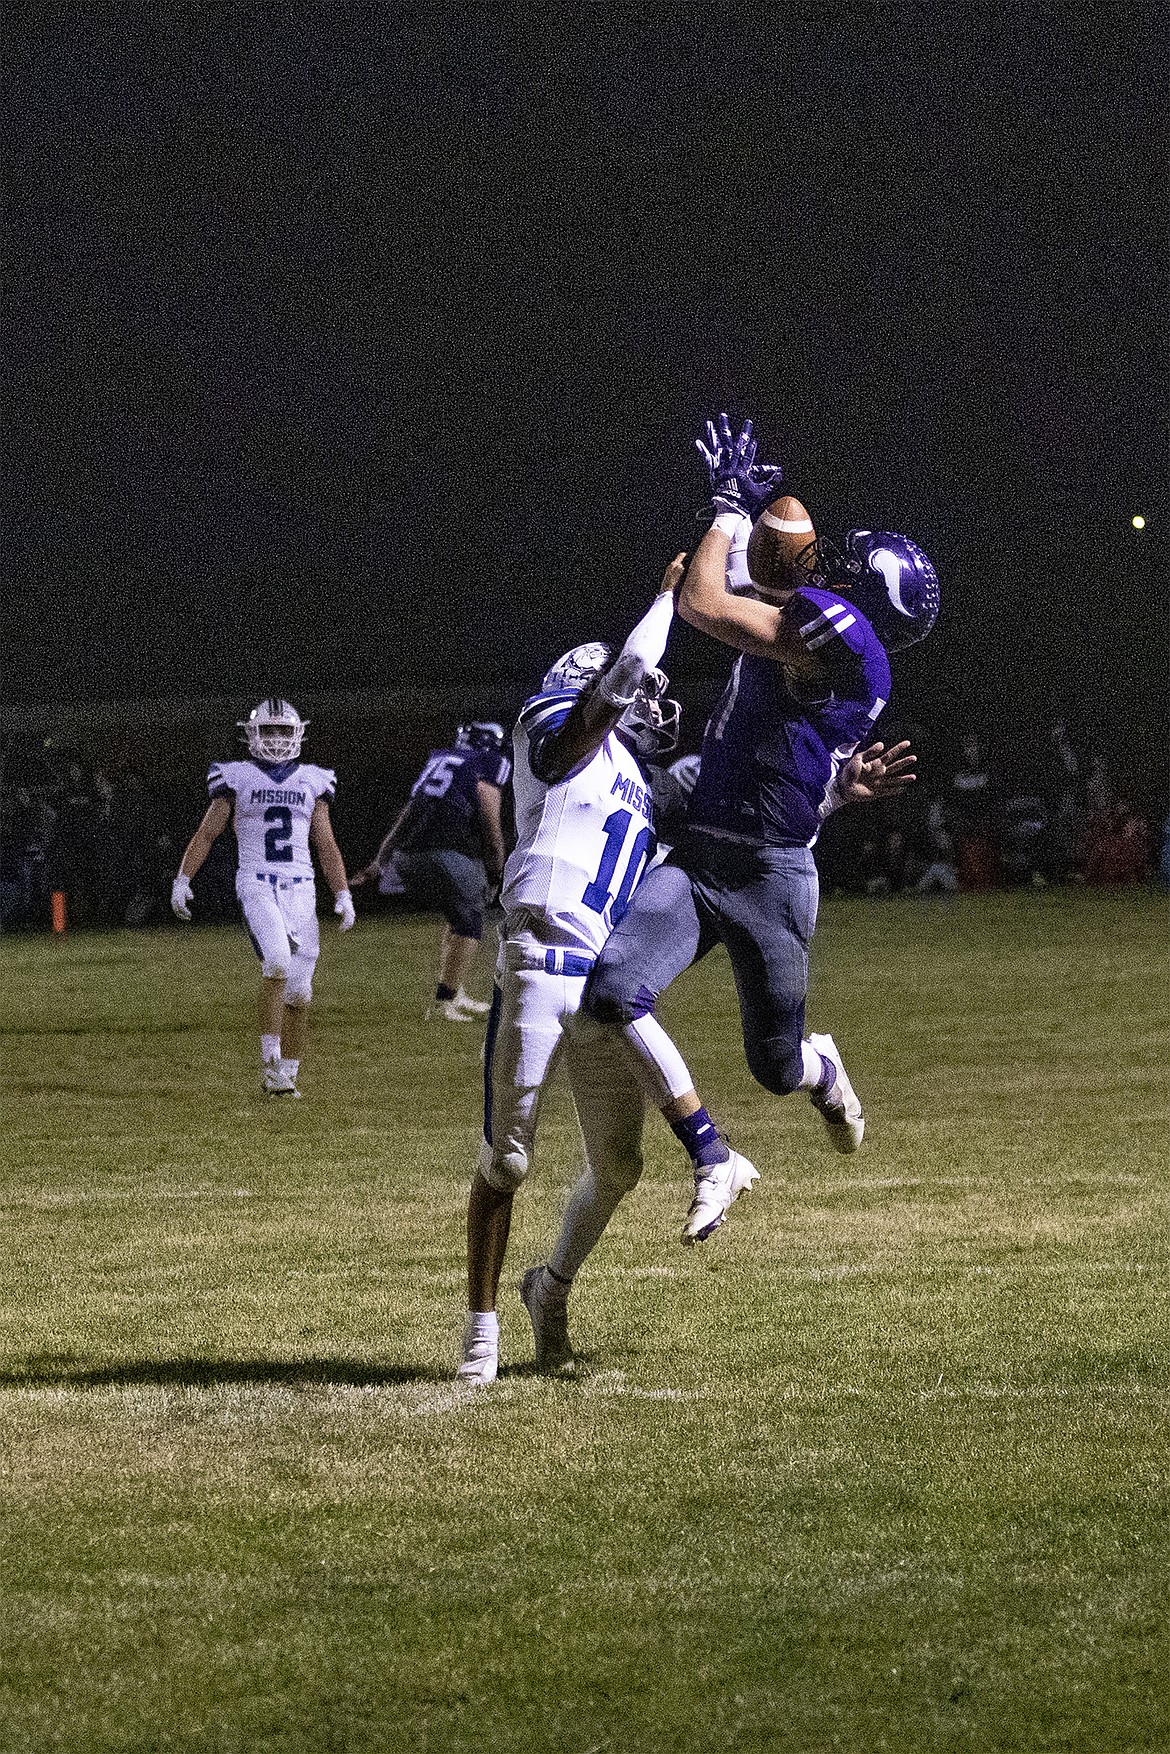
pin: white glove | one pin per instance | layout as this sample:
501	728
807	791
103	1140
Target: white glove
182	895
344	906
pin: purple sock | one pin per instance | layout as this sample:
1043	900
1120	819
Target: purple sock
700	1136
827	1078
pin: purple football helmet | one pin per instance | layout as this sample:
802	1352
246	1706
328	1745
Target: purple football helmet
891	580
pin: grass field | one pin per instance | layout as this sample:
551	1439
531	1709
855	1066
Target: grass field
884	1466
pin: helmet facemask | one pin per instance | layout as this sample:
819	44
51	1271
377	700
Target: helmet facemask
651	721
274	731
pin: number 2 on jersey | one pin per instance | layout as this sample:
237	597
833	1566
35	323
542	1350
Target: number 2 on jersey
278	837
597	893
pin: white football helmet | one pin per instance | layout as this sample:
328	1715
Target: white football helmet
650	721
274	731
577	669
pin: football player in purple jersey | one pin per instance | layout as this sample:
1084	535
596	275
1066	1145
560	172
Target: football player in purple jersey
787	744
447	845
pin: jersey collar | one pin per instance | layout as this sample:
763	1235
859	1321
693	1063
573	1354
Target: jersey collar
277	771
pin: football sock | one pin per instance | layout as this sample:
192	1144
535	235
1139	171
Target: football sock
292	1067
483	1324
819	1073
700	1137
269	1048
443	992
592	1204
554	1286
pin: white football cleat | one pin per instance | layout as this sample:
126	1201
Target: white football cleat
478	1007
275	1082
448	1011
480	1361
550	1323
716	1189
840	1109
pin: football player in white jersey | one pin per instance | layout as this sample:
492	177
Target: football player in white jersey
585	834
278	805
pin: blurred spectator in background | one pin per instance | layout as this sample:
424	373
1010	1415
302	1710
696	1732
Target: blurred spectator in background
894	869
1025	847
971	782
1120	849
940	873
1064	801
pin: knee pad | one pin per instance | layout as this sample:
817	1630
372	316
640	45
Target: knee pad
299	988
776	1064
503	1170
607	999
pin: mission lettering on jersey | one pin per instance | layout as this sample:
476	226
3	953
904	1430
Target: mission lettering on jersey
274	804
583	842
768	757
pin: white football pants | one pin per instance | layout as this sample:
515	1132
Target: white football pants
530	1037
281	919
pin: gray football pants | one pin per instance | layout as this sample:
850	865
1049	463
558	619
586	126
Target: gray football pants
759	902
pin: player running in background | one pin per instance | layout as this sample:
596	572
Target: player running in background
278	805
781	751
585	834
447	845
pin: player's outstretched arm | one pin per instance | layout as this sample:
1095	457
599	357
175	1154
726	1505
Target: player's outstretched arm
332	863
589	724
489	800
215	820
381	858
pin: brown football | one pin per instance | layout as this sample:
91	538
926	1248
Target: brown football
779	534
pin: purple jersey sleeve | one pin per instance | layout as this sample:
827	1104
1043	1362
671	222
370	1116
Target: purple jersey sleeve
493	767
769	757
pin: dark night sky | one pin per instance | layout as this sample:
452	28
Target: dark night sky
351	343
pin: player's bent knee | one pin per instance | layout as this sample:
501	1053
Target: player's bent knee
298	996
276	968
776	1065
502	1169
619	1173
612	999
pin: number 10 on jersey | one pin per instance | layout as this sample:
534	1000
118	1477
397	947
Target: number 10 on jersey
598	894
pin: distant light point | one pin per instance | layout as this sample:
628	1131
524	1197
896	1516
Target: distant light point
1138	522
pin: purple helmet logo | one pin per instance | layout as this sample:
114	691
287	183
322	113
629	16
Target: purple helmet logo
889	577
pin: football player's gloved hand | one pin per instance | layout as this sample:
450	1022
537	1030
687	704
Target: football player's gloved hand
344	906
182	895
739	485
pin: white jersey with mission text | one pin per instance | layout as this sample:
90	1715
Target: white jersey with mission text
273	806
582	843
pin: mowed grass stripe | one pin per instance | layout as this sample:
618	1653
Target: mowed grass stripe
883	1465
